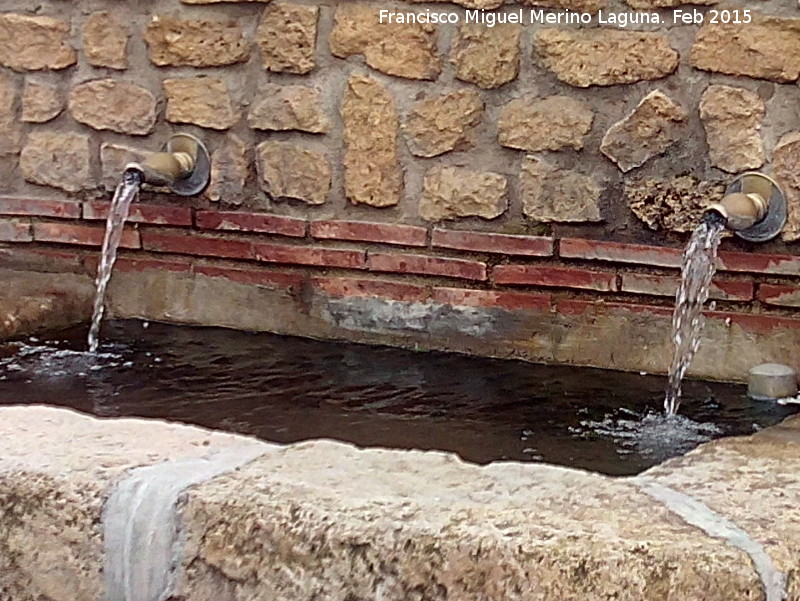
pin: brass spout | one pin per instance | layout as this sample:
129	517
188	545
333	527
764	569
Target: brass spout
754	207
740	210
183	166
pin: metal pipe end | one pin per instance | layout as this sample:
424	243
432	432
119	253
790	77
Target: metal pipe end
755	207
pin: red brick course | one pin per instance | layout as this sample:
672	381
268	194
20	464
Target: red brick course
15	230
366	231
257	277
367	287
196	244
83	235
251	222
425	265
559	277
142	213
62	209
309	255
492	298
665	285
533	246
640	254
760	264
779	295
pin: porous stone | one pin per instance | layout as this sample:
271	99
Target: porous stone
195	43
442	123
550	193
732	117
786	167
674	204
203	101
113	160
372	171
401	49
451	192
581	6
41	102
289	171
287	36
34	43
229	171
767	48
105	41
280	108
487	56
552	123
10	134
648	131
109	104
604	57
56	160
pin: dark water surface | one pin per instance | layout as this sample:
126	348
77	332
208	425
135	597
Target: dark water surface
285	389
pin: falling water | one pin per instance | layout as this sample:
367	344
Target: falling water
687	320
124	195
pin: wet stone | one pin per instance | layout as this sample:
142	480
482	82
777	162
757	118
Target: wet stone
487	56
294	172
534	124
56	160
451	192
109	104
442	123
550	193
41	102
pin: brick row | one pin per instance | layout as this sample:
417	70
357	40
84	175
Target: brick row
663	285
532	246
81	235
142	213
263	223
15	230
557	277
427	265
62	209
366	231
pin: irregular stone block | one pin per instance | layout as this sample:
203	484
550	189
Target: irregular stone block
287	36
648	4
581	6
786	167
105	41
648	131
289	171
204	101
550	193
372	172
451	192
533	124
604	57
280	108
674	204
195	43
56	160
113	105
229	171
10	134
41	102
401	49
487	56
35	43
732	118
443	123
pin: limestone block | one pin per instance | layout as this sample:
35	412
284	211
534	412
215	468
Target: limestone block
372	168
280	108
287	36
289	171
582	6
229	171
41	102
450	192
674	204
113	160
487	56
203	101
604	57
732	117
550	193
109	104
35	43
534	124
401	49
10	134
57	160
195	43
105	41
648	131
786	168
442	123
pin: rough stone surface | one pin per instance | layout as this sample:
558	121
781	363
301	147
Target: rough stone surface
41	102
732	118
552	123
289	171
786	167
195	43
442	123
109	104
57	160
487	56
553	194
105	41
451	192
674	204
10	134
229	171
581	6
35	43
113	160
373	175
766	48
604	57
401	49
280	108
649	4
287	36
648	131
203	101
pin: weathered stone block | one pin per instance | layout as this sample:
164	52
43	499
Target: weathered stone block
113	105
204	101
451	192
57	160
442	123
372	169
105	41
480	4
649	4
674	204
581	6
732	118
10	134
786	167
401	49
195	43
604	57
229	171
35	43
280	108
487	56
550	193
648	131
41	102
289	171
534	124
287	36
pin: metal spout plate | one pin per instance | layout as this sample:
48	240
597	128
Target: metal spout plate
199	177
766	187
